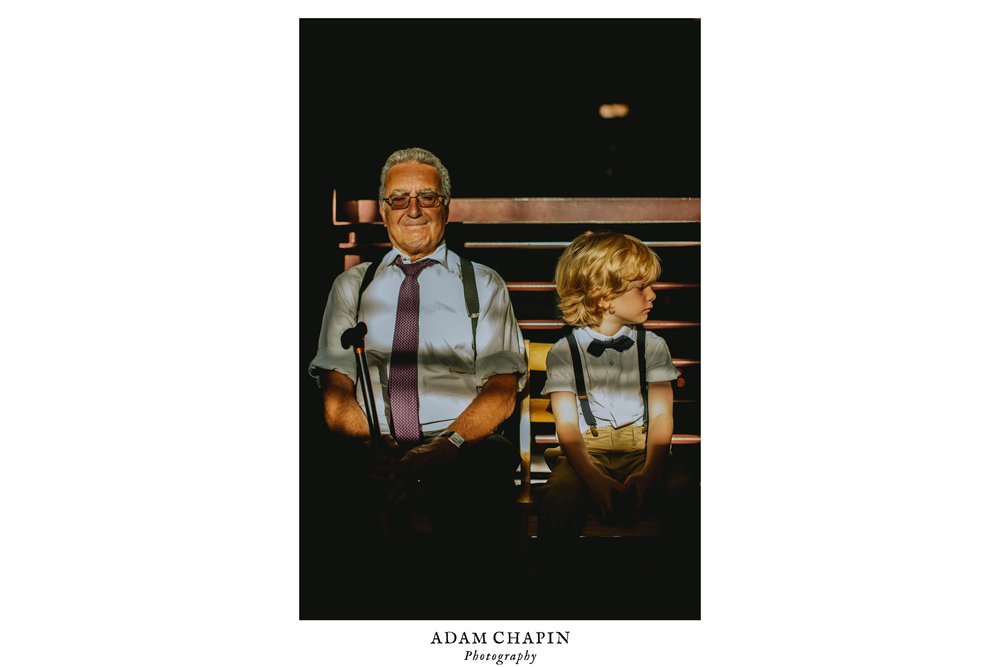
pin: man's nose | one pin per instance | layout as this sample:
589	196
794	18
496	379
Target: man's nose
413	210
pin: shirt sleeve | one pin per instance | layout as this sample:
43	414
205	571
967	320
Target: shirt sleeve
339	315
659	365
559	369
499	344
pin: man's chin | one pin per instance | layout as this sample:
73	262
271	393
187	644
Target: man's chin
420	251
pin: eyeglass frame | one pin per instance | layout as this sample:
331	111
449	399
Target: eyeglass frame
439	201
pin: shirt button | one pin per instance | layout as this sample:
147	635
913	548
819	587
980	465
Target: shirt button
612	363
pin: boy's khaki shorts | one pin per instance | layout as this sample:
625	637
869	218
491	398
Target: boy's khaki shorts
617	452
564	501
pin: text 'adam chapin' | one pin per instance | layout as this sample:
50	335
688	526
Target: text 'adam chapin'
501	637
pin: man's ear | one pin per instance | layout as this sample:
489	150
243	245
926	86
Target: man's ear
447	210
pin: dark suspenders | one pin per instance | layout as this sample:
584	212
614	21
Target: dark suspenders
471	299
365	281
640	335
581	386
468	286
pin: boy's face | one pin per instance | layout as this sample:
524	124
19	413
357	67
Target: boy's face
633	306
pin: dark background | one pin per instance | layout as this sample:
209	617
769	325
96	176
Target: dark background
511	108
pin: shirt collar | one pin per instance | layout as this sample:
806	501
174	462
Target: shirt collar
440	254
626	330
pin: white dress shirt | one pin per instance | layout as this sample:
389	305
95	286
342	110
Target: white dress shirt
447	378
612	379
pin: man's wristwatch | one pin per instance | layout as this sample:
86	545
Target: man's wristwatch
453	438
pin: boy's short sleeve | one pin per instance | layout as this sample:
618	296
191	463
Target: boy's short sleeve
659	365
559	369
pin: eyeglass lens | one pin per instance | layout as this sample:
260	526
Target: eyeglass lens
427	200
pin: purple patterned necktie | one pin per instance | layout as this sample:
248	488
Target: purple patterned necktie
403	399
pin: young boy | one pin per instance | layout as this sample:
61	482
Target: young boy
614	439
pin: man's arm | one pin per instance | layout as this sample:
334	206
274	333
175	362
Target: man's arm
341	411
500	344
487	411
598	484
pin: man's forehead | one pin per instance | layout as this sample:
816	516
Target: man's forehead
412	175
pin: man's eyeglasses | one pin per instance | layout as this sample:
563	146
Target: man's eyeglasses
424	200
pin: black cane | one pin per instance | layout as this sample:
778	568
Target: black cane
355	337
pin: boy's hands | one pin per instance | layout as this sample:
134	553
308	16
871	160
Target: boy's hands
601	487
640	483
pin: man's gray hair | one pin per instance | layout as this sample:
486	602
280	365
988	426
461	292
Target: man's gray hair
422	156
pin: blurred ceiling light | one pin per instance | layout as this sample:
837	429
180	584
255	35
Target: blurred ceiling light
613	110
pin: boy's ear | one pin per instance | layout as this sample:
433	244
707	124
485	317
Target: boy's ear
602	303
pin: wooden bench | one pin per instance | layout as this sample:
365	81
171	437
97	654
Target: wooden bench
521	239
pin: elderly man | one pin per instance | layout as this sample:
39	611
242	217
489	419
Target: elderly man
445	353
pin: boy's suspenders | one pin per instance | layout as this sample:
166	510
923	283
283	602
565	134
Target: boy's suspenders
581	387
640	335
468	286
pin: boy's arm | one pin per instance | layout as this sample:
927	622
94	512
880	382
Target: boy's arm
598	484
661	427
658	436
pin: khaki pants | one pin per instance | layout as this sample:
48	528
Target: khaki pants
565	501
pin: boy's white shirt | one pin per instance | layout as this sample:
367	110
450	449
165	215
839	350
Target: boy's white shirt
612	379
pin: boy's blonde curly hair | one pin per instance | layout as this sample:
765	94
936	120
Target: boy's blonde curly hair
600	266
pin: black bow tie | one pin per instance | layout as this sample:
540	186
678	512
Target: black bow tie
621	344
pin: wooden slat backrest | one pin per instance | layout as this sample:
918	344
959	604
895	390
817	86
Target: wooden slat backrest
548	210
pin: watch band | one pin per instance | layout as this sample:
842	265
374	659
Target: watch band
453	437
